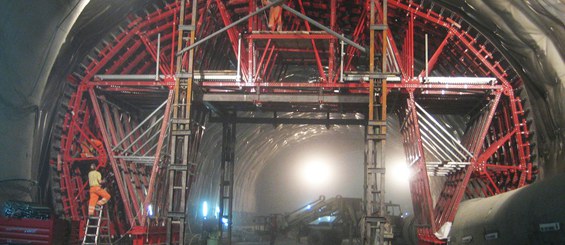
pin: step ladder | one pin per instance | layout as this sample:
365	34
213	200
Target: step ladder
97	229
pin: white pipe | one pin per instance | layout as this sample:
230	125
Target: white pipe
158	56
341	63
426	36
238	75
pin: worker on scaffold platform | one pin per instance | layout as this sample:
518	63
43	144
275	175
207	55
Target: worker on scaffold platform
275	16
96	191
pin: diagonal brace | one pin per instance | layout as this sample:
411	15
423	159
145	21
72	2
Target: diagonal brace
274	3
326	29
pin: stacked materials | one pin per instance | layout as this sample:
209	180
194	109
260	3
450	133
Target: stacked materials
18	209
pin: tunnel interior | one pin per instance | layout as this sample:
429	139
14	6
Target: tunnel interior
96	38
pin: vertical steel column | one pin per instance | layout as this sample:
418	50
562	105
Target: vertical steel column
374	195
226	185
331	64
178	168
250	50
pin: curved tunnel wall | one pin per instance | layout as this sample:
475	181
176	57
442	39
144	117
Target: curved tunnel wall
530	34
256	147
530	41
30	42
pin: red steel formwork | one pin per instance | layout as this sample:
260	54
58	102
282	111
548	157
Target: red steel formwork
127	90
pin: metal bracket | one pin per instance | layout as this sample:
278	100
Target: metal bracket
178	167
379	27
181	133
186	28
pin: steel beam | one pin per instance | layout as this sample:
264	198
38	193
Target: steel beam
194	45
285	98
308	121
291	35
328	30
227	166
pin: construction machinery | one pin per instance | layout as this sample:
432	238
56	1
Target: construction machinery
326	221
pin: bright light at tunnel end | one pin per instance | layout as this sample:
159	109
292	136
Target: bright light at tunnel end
400	173
315	170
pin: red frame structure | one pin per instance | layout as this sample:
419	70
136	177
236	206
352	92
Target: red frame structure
117	92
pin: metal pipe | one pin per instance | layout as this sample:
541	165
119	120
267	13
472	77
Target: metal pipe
143	134
437	132
443	129
328	30
158	56
428	140
275	3
426	37
341	61
438	143
392	56
430	149
238	75
151	149
146	142
139	126
461	80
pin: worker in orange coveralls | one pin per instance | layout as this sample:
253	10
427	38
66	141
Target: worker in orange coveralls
88	147
96	191
275	16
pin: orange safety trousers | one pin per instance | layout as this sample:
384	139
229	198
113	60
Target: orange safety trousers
95	193
275	18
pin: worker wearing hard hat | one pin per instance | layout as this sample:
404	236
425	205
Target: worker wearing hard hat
89	146
96	191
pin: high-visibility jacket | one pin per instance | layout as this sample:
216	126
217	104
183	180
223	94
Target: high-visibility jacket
94	178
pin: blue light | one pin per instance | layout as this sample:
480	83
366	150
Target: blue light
150	210
404	215
205	209
225	221
217	212
308	207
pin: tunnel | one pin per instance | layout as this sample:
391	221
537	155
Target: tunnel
216	123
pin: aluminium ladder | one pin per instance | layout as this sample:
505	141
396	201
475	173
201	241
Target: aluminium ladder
92	230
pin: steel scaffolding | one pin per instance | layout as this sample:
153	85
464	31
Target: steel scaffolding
148	89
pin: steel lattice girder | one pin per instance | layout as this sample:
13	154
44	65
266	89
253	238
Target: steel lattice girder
503	162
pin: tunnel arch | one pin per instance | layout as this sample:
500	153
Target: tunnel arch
220	65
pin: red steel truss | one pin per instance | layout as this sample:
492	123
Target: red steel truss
124	95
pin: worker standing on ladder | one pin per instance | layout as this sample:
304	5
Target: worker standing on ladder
96	191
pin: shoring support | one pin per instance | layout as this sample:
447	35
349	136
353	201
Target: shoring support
133	199
314	47
321	26
155	168
113	163
419	184
225	221
510	114
178	168
331	63
194	45
450	214
374	171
